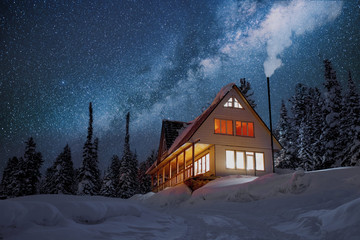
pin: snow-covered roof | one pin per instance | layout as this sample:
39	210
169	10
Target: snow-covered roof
195	124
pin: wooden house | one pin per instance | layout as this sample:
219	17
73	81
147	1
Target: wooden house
228	138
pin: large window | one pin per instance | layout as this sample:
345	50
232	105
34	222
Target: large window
244	128
245	160
224	126
230	159
202	165
259	161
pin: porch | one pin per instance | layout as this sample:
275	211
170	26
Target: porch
190	160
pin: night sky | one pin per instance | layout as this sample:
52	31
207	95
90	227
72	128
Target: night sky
156	59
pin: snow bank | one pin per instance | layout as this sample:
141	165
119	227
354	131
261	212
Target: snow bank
76	217
170	197
250	188
318	224
300	205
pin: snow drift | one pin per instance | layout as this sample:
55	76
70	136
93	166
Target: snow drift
299	205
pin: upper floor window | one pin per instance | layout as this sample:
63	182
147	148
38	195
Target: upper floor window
233	103
244	128
224	126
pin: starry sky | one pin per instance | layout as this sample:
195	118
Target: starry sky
156	59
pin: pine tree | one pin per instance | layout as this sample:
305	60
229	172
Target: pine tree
332	112
351	125
59	177
299	109
245	89
315	121
9	179
47	185
128	170
110	183
30	168
89	173
143	178
286	157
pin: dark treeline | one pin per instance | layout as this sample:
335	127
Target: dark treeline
123	178
322	128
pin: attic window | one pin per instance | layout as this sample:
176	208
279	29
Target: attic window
232	103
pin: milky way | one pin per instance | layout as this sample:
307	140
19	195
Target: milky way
156	59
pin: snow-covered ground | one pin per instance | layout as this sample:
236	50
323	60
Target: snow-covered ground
312	205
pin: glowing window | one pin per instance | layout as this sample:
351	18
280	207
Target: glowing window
250	129
203	164
230	161
249	160
217	126
207	162
224	126
229	126
244	128
259	161
229	103
232	103
237	104
240	160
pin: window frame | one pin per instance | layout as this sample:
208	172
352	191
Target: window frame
244	152
233	103
197	164
226	124
247	128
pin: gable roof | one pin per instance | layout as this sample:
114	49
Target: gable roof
196	123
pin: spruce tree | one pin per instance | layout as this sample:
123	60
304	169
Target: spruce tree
299	109
89	173
286	157
128	170
60	176
110	183
143	178
315	121
30	169
351	125
331	109
48	183
9	177
245	89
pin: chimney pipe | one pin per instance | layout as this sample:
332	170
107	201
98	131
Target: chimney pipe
271	131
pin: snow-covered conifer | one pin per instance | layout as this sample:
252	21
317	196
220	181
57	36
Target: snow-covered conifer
245	89
30	168
89	173
351	125
9	177
60	176
286	157
129	168
332	113
144	179
110	183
